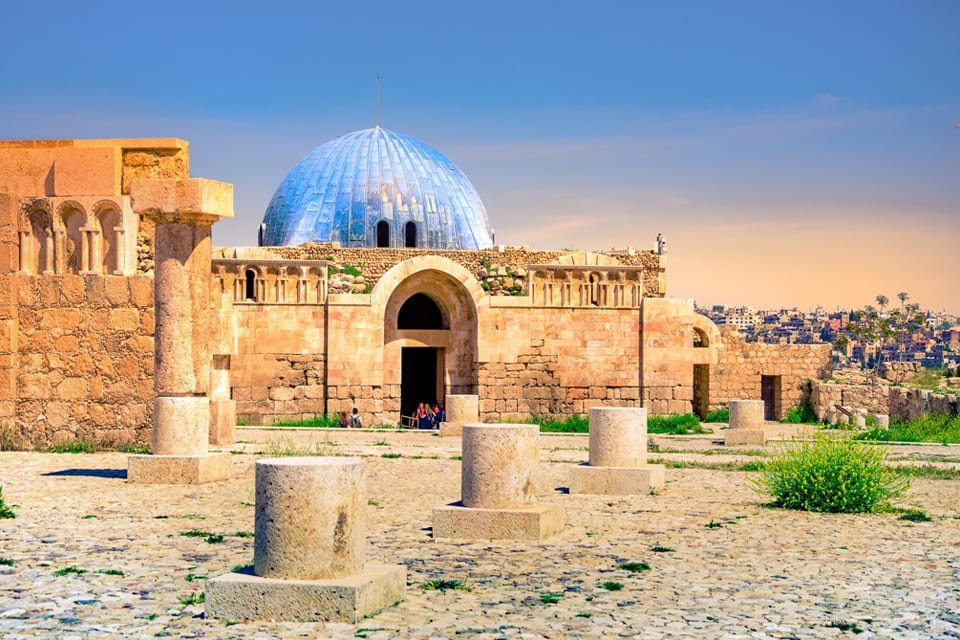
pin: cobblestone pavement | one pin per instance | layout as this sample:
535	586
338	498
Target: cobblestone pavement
755	572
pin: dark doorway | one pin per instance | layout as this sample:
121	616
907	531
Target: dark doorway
419	377
701	390
770	394
420	312
410	234
250	285
383	234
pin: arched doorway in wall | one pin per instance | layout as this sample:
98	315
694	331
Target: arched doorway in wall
430	342
410	235
109	220
383	234
72	220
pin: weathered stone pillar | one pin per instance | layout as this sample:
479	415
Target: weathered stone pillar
223	409
25	247
119	237
498	488
460	409
618	455
746	423
184	211
881	421
309	549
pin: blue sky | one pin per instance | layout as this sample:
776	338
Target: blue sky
793	153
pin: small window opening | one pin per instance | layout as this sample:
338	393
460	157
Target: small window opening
410	235
383	234
250	291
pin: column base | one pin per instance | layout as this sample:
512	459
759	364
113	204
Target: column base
243	596
617	481
536	522
451	428
223	422
745	436
200	469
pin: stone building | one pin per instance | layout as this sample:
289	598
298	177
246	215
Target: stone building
322	327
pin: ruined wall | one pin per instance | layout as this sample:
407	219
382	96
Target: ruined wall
908	404
740	366
827	394
85	358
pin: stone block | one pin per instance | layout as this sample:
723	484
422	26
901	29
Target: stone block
451	428
640	480
223	422
181	425
200	469
881	421
536	522
745	436
244	596
182	200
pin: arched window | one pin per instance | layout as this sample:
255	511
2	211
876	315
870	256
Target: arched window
383	234
700	338
72	260
250	290
420	312
410	234
109	219
41	228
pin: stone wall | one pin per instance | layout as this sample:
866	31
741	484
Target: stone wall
827	394
501	270
741	366
907	404
85	358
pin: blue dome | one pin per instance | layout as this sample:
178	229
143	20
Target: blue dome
377	188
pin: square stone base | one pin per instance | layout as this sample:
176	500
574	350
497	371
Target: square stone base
617	481
243	596
528	523
451	429
151	469
745	436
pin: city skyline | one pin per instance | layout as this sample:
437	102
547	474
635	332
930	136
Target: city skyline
792	156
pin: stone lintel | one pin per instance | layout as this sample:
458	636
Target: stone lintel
244	596
536	522
745	436
617	481
200	469
190	201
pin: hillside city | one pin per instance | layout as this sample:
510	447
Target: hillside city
934	344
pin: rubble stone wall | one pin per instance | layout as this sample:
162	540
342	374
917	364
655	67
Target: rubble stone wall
84	359
827	394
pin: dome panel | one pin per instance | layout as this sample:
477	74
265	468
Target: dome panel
345	187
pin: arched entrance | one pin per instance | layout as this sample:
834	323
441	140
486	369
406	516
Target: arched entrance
430	341
410	235
383	234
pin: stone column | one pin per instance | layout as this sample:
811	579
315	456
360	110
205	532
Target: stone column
746	423
618	455
52	252
309	549
223	409
121	248
25	247
184	211
498	487
460	409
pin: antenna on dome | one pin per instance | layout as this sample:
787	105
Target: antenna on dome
378	101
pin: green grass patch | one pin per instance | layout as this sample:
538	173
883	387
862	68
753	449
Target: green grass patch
800	414
242	567
572	424
73	446
110	572
71	570
197	597
196	533
135	448
845	626
929	428
927	379
323	422
915	515
89	516
6	511
391	455
634	567
713	524
550	598
831	475
611	586
445	585
6	562
720	415
659	549
676	425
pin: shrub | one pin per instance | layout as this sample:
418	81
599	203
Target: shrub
832	475
800	414
6	512
720	415
325	421
74	446
574	424
352	269
928	428
444	585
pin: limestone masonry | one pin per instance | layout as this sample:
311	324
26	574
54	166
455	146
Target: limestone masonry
290	333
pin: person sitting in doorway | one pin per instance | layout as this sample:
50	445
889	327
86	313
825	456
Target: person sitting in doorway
423	417
356	422
438	416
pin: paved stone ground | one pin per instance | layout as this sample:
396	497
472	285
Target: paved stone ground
762	573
